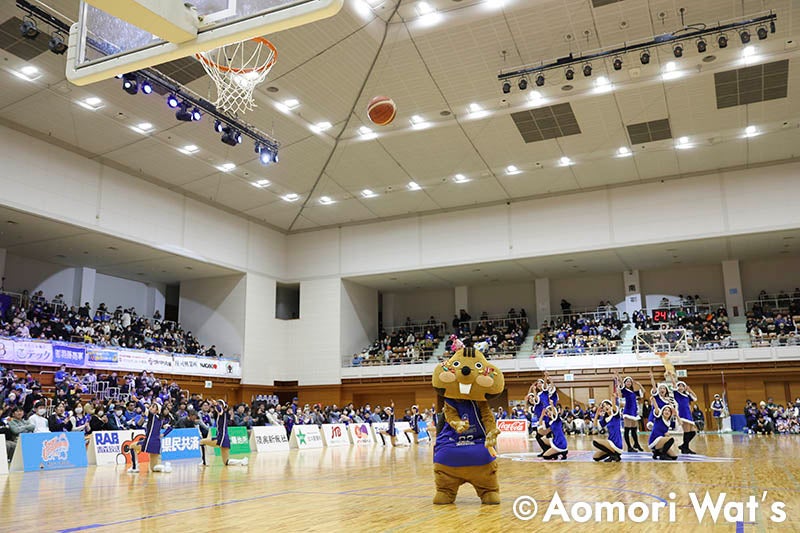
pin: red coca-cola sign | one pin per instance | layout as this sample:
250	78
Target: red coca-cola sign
513	426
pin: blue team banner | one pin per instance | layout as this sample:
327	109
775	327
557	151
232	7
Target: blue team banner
51	451
69	355
181	444
422	430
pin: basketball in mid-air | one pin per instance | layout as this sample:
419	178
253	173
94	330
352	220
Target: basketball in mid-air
381	110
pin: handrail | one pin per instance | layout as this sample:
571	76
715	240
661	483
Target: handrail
772	302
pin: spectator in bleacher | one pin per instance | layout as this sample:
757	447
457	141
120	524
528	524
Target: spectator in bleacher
17	425
59	421
40	423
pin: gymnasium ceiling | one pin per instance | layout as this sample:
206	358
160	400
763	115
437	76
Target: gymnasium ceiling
435	68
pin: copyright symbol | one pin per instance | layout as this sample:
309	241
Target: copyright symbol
525	508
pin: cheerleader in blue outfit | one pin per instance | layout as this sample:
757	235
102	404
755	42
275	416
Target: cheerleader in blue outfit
631	392
660	442
152	441
391	430
684	396
609	448
556	440
223	439
659	397
546	394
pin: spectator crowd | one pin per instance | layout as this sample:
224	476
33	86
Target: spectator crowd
33	317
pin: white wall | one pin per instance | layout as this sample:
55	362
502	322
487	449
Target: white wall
419	305
49	181
359	317
213	309
266	353
313	341
23	273
115	291
712	205
586	292
703	280
498	298
773	275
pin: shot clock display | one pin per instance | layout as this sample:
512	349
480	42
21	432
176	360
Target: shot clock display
660	315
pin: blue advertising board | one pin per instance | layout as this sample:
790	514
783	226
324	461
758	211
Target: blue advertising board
181	444
69	355
51	451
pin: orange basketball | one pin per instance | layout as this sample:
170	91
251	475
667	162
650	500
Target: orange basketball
381	110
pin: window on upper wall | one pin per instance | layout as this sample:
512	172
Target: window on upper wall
287	301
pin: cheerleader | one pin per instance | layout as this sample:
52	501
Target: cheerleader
391	431
556	440
546	395
222	440
659	397
660	443
152	441
416	418
684	396
718	412
609	448
631	391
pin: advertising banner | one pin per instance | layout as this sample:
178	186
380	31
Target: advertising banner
100	358
360	434
181	444
335	435
112	447
240	443
49	451
422	428
33	352
306	437
404	433
7	350
513	427
206	366
64	354
138	361
268	438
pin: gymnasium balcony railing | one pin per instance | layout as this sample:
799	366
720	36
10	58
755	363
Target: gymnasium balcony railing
776	303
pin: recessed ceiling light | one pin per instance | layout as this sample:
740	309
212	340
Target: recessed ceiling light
188	149
27	73
511	170
319	127
291	103
367	193
460	178
91	103
750	131
366	133
291	197
623	151
535	96
413	186
475	108
565	161
143	127
325	200
748	51
261	183
226	167
602	85
418	122
424	8
683	143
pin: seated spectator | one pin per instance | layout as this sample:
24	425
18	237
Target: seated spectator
17	425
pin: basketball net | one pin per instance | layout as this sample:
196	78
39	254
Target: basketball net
236	69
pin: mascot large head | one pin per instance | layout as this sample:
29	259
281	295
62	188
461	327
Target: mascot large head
468	376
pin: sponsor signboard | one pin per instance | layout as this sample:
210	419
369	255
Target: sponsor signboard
112	447
513	427
240	443
404	433
335	435
33	352
360	434
268	438
49	451
181	444
64	354
305	437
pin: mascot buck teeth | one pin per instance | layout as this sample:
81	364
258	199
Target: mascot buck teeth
464	450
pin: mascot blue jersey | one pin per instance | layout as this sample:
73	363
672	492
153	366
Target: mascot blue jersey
463	449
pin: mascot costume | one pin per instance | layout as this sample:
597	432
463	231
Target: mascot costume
464	450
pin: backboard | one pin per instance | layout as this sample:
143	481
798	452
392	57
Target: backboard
104	44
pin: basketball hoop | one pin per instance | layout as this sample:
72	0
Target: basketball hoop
236	69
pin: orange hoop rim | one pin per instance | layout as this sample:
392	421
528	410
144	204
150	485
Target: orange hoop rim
262	41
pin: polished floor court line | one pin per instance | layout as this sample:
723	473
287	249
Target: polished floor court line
386	489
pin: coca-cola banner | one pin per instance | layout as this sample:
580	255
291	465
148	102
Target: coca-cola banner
513	426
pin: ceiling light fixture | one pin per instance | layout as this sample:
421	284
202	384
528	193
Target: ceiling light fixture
28	29
27	73
587	70
750	131
367	193
413	186
702	46
366	133
319	127
512	170
762	33
506	87
261	183
230	136
189	149
183	114
290	197
460	178
172	101
522	84
565	161
142	128
58	46
130	84
226	167
540	80
744	35
722	41
644	57
146	87
683	143
326	200
617	64
569	74
677	50
624	151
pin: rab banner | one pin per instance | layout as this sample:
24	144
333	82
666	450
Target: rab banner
268	439
113	447
240	443
335	435
305	437
360	434
49	451
513	427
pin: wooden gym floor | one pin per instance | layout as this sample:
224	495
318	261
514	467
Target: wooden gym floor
385	489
